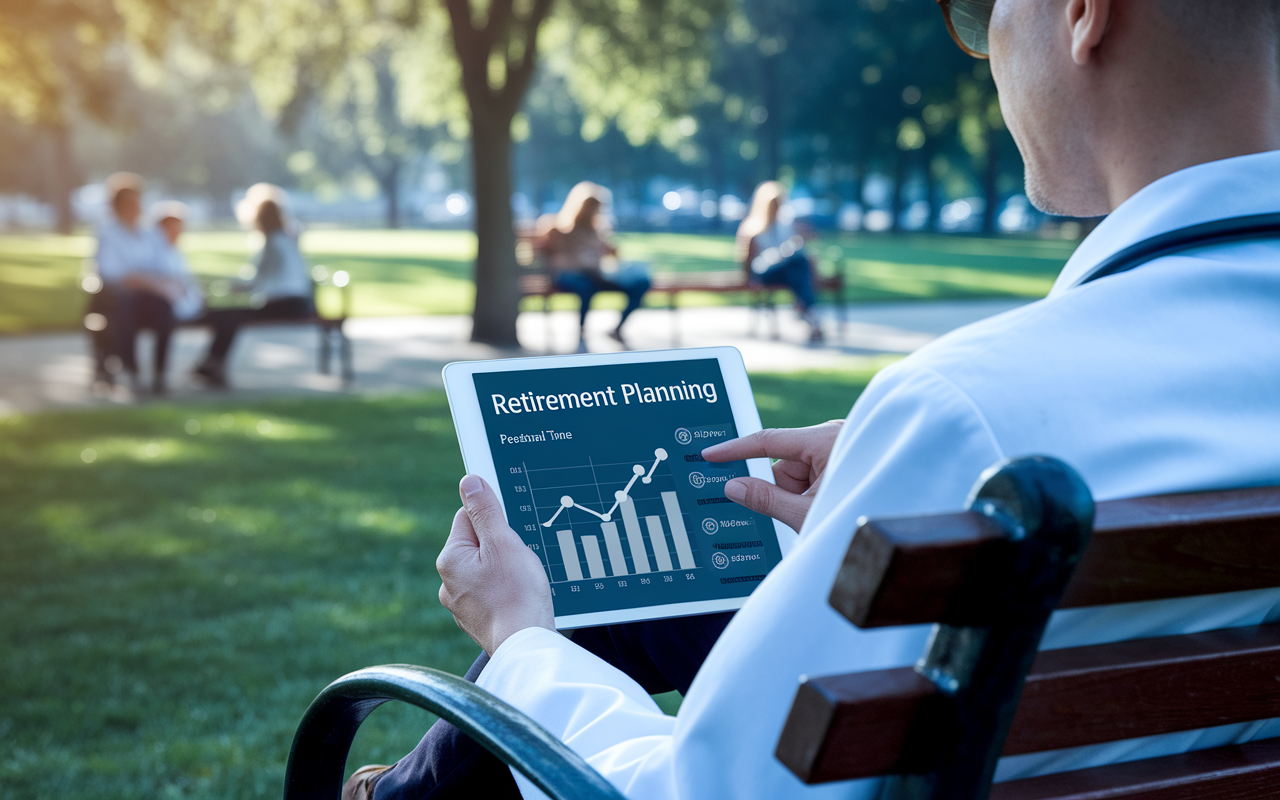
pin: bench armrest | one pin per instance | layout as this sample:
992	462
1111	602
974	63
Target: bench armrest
317	760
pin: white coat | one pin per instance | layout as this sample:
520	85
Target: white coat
1162	379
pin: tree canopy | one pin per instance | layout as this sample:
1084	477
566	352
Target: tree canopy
718	94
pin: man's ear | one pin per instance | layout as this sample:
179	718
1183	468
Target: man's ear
1088	20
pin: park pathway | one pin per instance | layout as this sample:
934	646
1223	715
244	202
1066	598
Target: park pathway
406	353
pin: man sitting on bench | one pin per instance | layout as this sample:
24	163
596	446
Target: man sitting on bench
1150	368
137	289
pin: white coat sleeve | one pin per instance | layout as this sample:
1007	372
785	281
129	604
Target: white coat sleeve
914	443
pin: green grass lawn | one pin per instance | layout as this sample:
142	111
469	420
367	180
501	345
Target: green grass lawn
428	272
177	583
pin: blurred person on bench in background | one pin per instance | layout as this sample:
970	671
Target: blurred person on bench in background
576	244
137	288
771	251
1162	114
185	296
281	287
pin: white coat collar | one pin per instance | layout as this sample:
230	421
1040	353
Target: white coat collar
1231	187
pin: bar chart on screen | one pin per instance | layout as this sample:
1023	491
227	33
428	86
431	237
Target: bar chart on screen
611	519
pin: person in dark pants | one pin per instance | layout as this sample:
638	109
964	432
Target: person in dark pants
575	246
772	252
661	655
137	310
280	289
136	289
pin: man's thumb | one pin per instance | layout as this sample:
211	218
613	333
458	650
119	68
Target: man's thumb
481	503
768	499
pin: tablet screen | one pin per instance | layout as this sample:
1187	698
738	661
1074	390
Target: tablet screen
601	473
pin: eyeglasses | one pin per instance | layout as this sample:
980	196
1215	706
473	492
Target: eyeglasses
968	21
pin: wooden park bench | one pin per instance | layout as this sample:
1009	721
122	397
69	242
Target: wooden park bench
332	330
536	281
988	578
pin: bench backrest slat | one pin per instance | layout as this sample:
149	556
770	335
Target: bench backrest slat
1145	687
879	722
1154	548
929	569
1242	772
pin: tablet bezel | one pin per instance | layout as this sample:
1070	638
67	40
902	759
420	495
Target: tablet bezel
476	456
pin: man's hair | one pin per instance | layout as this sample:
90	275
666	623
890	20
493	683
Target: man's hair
1226	27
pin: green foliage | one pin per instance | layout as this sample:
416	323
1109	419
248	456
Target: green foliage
55	55
879	83
176	584
641	65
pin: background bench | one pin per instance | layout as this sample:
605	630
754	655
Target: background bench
332	330
536	281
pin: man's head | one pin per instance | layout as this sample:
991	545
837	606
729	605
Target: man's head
124	193
1106	96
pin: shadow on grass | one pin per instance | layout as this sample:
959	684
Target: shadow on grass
177	583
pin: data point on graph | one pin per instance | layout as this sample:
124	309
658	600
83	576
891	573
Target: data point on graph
566	501
638	469
646	480
661	454
620	496
606	517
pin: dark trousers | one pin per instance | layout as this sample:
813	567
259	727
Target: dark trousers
796	274
129	311
632	283
227	322
100	336
661	655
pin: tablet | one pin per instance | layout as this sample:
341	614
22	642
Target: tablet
597	461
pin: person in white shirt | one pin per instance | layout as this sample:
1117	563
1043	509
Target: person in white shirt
771	251
1164	114
180	286
134	292
281	287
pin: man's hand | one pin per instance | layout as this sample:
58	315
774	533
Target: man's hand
802	455
492	581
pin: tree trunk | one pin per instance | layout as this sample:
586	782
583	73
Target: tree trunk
715	158
771	130
64	178
391	193
860	182
497	276
496	273
990	190
899	181
932	186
